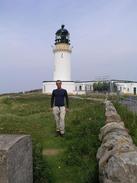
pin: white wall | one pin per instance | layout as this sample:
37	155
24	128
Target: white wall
48	87
83	87
127	88
62	66
74	87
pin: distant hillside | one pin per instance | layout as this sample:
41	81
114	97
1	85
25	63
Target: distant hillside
23	92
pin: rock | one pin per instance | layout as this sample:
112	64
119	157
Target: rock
112	117
15	159
109	127
121	168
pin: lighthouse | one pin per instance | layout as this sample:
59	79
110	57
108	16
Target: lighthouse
62	53
62	63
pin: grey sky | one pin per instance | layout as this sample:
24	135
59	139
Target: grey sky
102	32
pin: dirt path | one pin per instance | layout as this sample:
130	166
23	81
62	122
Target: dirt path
52	152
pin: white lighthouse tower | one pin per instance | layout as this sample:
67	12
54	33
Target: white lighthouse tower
62	63
62	52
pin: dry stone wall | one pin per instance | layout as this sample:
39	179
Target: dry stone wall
117	154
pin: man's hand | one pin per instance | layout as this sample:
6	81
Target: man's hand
67	109
50	109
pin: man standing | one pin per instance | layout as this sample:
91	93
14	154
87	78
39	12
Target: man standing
59	109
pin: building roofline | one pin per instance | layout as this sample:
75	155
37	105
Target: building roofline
112	80
123	81
55	81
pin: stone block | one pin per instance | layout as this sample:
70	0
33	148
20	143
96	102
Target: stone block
16	159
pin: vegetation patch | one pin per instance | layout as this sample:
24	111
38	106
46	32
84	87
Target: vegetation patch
71	159
130	120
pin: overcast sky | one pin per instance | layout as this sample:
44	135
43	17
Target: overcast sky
103	34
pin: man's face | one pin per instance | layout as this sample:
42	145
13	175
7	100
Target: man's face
58	83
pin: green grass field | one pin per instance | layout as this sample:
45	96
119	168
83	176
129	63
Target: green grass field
130	120
71	159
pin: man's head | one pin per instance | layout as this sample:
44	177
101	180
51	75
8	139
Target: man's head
58	83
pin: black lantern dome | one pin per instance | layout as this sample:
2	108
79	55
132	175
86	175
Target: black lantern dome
62	36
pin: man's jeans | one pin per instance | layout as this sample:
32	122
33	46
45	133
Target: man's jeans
59	115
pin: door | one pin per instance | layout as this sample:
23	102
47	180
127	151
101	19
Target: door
135	90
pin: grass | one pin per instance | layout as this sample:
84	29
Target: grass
130	120
73	158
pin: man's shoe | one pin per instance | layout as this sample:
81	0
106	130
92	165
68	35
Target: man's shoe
57	133
62	134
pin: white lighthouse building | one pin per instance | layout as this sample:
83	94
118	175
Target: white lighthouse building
62	52
62	63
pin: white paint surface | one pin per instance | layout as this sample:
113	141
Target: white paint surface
62	66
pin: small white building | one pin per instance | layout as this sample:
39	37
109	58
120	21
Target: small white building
123	86
126	87
83	87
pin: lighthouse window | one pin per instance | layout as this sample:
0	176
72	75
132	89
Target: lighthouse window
80	87
58	37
